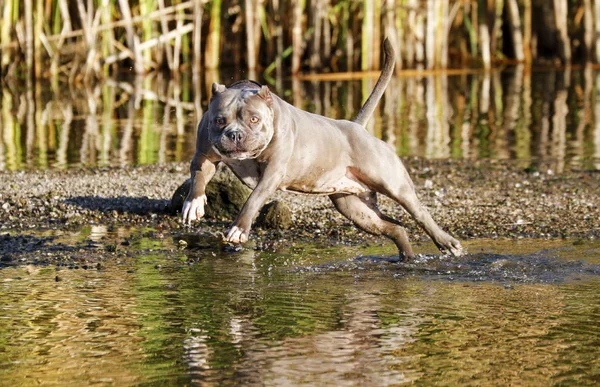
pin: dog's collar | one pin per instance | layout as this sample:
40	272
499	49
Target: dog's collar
246	81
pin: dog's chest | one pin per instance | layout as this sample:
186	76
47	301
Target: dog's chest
248	171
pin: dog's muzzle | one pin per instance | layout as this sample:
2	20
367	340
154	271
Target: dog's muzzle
235	136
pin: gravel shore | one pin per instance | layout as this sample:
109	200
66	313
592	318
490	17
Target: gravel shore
469	199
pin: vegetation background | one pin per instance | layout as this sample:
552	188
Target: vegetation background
117	82
85	39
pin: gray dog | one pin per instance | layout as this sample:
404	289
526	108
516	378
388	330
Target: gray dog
270	145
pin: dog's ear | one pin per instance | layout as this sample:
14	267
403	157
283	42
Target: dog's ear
265	94
217	88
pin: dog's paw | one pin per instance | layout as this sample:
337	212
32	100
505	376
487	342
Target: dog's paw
193	209
455	248
236	235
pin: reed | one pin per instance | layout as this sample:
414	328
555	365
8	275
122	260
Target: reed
89	39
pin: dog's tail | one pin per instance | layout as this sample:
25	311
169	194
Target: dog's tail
368	108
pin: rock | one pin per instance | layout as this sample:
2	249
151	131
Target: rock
226	195
179	196
275	215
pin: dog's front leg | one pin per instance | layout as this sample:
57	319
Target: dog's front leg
268	184
201	170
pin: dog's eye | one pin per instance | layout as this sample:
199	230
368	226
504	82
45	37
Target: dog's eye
220	121
254	119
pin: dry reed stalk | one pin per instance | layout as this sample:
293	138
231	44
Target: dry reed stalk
560	18
37	32
279	43
197	37
597	24
430	37
121	23
48	24
260	13
366	62
442	11
411	25
475	25
391	32
250	7
165	30
91	31
448	20
147	32
326	29
132	38
108	35
66	28
297	36
484	40
514	23
349	36
375	43
527	28
317	16
213	44
588	29
126	53
29	53
177	46
83	17
7	13
496	33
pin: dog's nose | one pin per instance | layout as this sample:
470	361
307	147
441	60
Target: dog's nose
235	135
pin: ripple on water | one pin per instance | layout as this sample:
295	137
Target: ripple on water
544	266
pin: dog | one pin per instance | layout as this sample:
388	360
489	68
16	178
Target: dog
271	145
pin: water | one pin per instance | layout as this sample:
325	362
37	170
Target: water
544	116
129	306
510	313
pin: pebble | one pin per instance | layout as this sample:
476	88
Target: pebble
471	199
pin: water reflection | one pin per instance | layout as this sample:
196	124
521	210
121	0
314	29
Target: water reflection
246	319
550	117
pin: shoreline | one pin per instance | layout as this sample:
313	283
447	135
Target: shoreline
469	199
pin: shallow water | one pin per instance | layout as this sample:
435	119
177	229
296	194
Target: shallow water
535	117
157	311
509	313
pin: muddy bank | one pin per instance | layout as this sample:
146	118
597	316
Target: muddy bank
474	199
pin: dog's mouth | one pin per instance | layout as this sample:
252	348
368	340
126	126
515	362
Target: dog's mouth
239	150
233	151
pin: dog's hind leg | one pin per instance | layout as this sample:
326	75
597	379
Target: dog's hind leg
404	193
362	210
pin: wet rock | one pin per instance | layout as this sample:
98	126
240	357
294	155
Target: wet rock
225	193
275	215
179	196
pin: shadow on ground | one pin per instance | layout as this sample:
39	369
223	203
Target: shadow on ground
134	205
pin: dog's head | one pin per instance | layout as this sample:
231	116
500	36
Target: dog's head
240	120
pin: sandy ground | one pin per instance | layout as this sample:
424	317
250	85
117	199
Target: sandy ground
469	199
